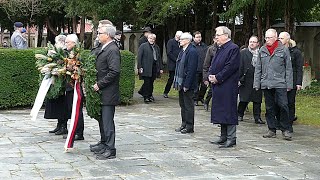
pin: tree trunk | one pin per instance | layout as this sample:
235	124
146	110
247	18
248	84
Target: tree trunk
214	14
50	28
259	24
247	24
82	28
289	17
40	34
268	8
74	25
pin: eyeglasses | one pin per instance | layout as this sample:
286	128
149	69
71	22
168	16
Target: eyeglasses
253	42
269	37
101	33
218	35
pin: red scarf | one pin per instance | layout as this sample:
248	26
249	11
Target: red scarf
272	47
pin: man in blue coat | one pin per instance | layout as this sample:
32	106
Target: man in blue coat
224	77
185	82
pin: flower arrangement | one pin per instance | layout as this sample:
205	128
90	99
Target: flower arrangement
64	66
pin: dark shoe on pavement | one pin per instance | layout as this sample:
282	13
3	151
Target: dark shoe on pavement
270	134
56	129
151	98
147	100
93	145
78	137
179	129
62	130
259	121
165	96
108	154
206	106
240	118
98	148
287	135
220	141
228	144
185	131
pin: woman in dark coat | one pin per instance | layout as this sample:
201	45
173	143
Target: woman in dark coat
149	66
246	91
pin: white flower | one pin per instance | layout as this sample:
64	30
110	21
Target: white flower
51	52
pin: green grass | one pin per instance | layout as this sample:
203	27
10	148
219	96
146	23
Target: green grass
307	101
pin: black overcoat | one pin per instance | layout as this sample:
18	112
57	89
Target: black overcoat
173	49
246	91
108	74
146	59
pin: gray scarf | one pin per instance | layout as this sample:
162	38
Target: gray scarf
154	52
179	73
254	53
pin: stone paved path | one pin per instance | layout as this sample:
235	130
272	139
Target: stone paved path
149	148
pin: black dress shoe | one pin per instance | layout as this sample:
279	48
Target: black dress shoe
165	96
151	98
228	144
259	121
56	129
179	129
98	148
108	154
240	118
220	141
93	145
62	130
147	100
185	131
78	137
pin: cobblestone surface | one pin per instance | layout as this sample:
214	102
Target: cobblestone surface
149	148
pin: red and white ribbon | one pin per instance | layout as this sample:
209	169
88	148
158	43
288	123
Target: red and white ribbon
76	104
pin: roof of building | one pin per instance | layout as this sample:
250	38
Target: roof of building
301	24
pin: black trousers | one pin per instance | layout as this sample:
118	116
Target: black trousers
147	86
292	109
201	89
187	109
277	98
69	101
256	109
169	82
209	95
107	127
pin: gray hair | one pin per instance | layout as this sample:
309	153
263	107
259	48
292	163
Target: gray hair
225	30
60	41
273	31
178	33
73	38
109	30
286	34
186	35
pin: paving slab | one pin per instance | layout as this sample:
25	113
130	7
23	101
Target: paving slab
149	148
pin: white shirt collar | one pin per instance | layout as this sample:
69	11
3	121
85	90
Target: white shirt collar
106	44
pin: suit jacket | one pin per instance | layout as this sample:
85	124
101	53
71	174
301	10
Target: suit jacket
108	74
190	68
173	50
246	72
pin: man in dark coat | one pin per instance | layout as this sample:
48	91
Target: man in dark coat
184	82
201	47
108	76
149	66
297	68
173	49
144	38
211	52
273	74
224	76
247	94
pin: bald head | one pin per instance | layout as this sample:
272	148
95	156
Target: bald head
284	37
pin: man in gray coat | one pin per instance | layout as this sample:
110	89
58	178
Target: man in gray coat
108	76
273	74
17	41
